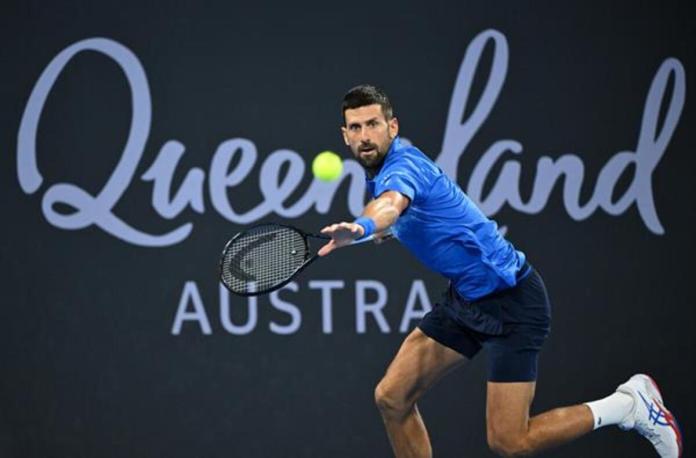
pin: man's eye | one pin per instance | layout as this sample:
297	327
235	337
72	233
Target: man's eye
354	127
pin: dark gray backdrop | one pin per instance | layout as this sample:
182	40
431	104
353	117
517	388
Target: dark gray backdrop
90	363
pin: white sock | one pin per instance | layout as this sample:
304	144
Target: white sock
611	410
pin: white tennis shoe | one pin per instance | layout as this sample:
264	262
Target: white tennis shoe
650	418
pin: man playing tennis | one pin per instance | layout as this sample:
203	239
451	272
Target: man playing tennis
496	300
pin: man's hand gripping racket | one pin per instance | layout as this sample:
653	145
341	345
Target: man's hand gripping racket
341	234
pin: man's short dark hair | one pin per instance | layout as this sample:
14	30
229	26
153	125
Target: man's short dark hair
364	95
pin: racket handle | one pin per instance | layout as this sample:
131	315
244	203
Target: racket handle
385	235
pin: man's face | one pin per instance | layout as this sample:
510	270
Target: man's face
369	134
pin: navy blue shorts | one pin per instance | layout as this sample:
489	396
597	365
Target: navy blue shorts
511	325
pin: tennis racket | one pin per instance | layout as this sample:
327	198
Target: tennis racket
267	256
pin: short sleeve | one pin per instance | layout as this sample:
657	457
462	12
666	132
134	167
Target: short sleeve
404	177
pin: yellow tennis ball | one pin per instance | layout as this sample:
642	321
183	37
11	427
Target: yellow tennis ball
327	166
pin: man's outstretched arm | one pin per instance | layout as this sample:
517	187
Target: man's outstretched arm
378	216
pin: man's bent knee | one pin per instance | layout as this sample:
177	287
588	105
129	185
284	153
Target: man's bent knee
389	402
509	445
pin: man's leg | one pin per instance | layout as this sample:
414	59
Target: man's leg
637	404
512	372
512	433
420	362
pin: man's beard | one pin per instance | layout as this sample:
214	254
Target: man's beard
373	161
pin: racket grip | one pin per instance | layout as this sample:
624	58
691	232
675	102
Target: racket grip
385	235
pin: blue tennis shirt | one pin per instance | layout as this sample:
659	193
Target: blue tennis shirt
442	226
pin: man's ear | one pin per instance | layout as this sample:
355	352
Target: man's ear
344	132
393	127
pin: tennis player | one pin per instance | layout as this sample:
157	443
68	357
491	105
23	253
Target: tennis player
496	300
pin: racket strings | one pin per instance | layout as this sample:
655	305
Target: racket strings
262	258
